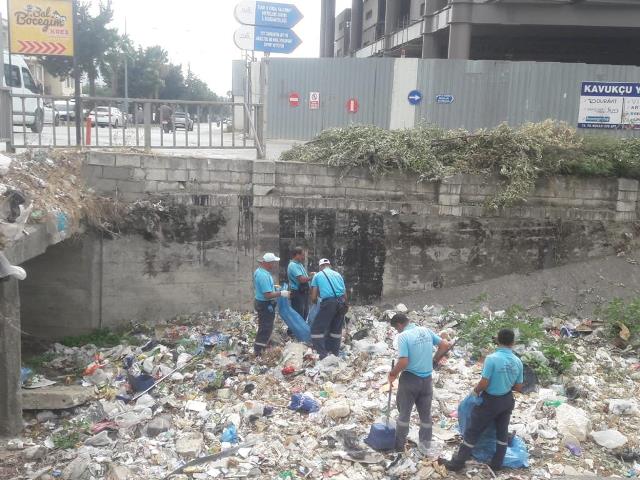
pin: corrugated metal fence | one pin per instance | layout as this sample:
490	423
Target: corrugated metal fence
337	80
485	93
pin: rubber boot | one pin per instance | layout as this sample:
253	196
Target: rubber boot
457	461
498	458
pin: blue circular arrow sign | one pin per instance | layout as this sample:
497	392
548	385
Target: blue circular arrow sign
414	97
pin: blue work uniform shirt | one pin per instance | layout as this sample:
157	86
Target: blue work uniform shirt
262	283
324	287
294	270
416	343
503	369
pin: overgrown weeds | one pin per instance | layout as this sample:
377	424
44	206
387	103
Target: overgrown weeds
520	156
102	338
622	319
551	358
69	436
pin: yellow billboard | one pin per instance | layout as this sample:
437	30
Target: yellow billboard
41	27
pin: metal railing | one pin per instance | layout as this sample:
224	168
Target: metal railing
5	115
50	121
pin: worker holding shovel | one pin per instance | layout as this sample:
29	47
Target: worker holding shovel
415	367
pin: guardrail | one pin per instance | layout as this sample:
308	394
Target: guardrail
5	115
50	121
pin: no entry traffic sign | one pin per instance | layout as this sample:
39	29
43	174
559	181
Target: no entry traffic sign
294	99
353	105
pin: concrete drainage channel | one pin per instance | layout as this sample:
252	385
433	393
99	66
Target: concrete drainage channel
185	239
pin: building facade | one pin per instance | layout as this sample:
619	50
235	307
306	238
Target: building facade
342	44
580	31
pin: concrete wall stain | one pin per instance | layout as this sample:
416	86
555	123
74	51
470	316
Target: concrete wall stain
353	241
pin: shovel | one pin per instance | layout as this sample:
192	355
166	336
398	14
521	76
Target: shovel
381	436
393	364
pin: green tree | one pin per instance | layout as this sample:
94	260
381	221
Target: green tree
94	40
113	71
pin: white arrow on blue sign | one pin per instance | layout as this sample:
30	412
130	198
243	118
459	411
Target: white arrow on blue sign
444	98
266	14
414	97
266	39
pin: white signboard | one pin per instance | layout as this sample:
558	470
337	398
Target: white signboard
609	105
314	100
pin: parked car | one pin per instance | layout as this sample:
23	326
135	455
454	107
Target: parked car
108	116
66	112
51	115
28	111
182	120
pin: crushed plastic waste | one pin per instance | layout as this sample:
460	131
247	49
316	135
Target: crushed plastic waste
226	414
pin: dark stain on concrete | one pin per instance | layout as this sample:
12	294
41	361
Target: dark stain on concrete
353	241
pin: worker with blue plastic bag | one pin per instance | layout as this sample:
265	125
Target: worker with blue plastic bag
265	300
502	374
299	281
326	330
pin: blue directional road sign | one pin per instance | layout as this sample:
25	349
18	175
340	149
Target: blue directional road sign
444	98
266	39
267	14
414	97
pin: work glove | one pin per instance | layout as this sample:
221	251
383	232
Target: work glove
285	293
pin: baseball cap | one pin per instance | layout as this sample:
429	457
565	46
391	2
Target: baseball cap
269	257
324	261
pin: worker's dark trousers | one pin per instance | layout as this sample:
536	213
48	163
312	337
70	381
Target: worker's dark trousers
413	390
300	302
326	331
493	410
266	316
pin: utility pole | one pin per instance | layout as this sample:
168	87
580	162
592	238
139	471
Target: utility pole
126	74
76	76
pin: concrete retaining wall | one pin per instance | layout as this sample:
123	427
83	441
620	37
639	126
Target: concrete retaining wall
387	235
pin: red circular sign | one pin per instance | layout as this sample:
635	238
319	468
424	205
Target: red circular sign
294	99
352	105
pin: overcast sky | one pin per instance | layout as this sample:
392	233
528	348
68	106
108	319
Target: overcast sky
200	32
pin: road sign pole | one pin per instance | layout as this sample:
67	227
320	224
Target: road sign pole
76	75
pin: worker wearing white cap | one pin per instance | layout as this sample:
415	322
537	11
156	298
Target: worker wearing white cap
265	300
326	331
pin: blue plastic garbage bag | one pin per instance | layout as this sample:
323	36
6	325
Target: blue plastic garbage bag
303	403
313	313
294	321
517	453
230	434
25	374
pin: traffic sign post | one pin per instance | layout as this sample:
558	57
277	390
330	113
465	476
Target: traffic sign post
266	39
314	100
414	97
294	99
265	14
353	105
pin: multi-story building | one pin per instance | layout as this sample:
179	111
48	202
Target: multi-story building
343	34
588	31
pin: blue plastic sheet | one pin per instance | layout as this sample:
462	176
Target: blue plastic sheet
303	403
294	321
517	453
230	434
313	313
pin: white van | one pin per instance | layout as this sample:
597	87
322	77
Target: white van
22	83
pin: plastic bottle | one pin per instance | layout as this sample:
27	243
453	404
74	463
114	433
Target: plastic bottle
553	403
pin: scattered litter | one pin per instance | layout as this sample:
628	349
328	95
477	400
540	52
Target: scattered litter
179	401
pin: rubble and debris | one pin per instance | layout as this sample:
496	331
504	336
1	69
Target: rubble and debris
230	415
56	398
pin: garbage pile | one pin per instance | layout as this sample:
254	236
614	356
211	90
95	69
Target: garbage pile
187	400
